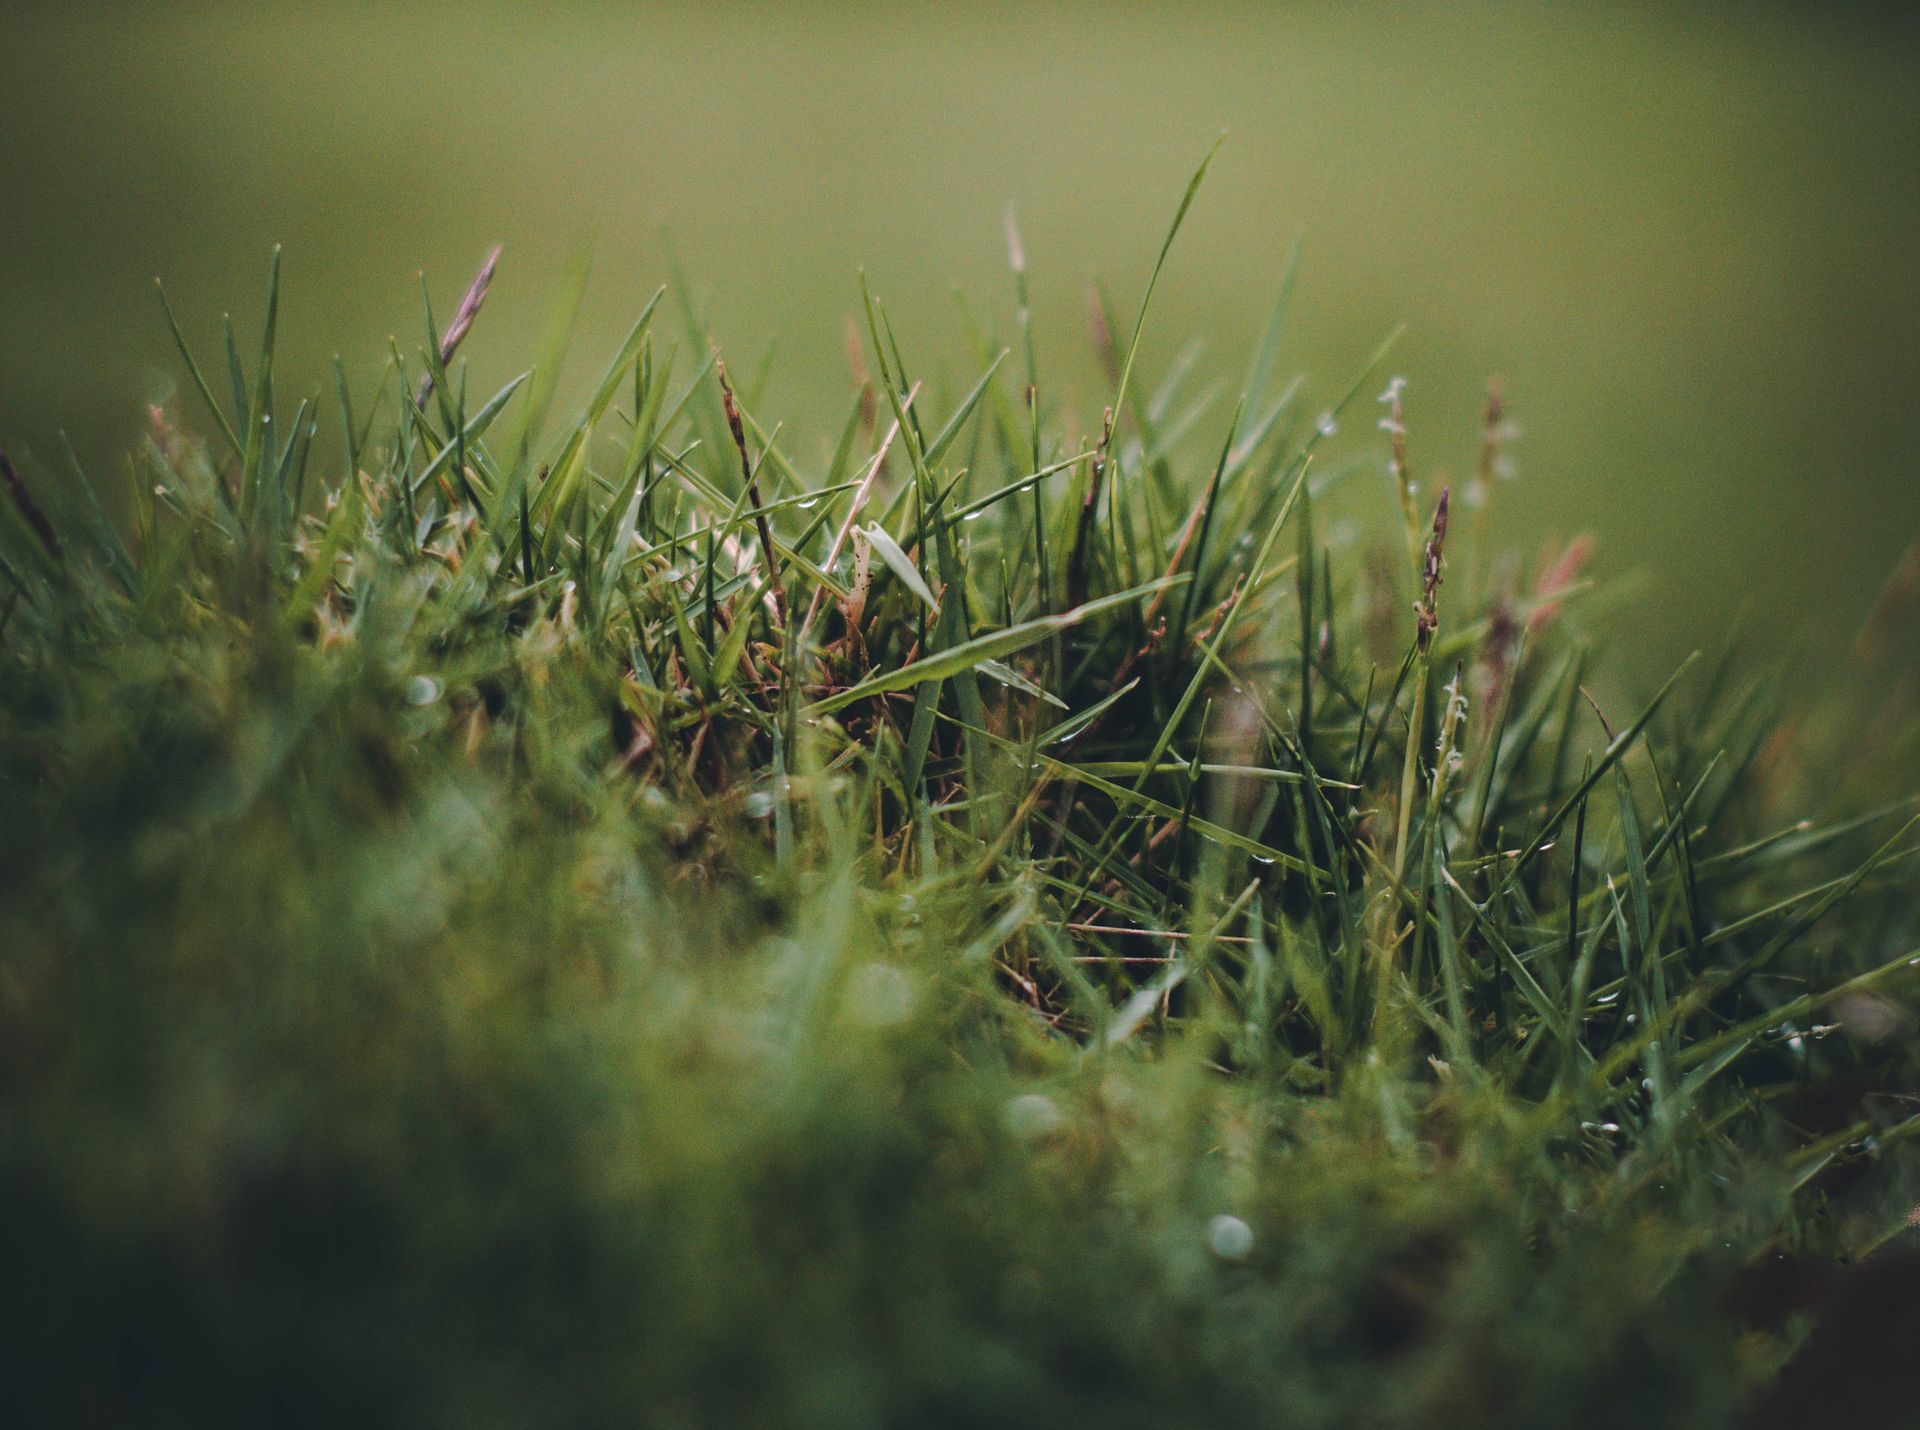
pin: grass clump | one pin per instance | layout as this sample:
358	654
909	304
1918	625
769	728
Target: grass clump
505	921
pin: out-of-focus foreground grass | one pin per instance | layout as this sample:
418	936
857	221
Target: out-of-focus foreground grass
1685	236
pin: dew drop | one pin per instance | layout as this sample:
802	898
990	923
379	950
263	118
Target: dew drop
1229	1238
882	994
1032	1115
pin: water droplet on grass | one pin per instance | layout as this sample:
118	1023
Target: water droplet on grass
882	994
1229	1238
1033	1115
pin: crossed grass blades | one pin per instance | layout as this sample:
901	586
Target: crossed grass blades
1079	734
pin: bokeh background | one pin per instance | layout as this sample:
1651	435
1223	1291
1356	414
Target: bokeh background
1684	234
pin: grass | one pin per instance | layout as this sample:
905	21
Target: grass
517	920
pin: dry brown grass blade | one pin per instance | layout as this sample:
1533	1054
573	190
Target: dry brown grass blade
860	495
463	318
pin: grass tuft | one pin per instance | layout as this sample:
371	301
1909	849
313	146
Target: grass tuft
983	925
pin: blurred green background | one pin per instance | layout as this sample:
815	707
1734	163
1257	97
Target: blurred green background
1685	235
